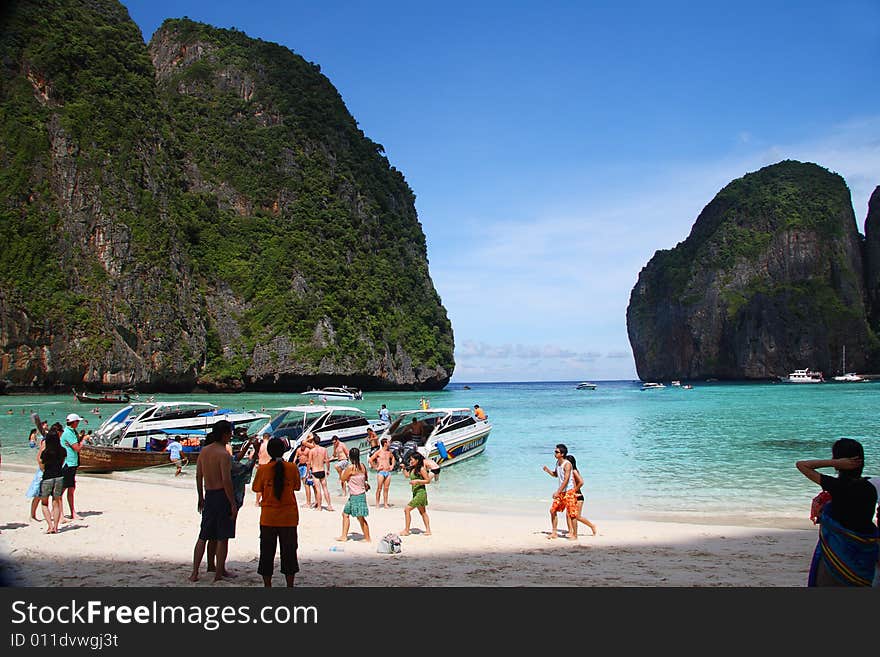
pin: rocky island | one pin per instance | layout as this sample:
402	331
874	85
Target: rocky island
773	277
199	212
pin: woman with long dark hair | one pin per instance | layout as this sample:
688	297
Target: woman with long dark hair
418	479
579	496
52	485
275	483
846	554
355	477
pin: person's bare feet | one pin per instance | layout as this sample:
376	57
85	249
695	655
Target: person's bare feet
553	536
65	520
404	533
426	533
330	508
571	538
194	577
342	538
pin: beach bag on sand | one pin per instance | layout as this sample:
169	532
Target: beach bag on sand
389	544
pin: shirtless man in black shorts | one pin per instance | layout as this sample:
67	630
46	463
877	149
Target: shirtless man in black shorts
319	462
216	500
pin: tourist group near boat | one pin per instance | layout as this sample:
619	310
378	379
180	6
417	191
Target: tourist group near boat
138	435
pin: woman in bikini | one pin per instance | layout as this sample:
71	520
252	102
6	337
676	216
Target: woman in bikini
579	496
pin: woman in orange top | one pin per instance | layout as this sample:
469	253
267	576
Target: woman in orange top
275	483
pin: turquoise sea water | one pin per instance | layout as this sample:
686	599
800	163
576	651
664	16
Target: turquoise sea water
718	453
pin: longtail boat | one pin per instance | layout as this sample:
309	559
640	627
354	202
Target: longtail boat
117	397
97	458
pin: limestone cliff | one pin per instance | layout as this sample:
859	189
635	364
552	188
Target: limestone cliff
872	259
204	213
769	280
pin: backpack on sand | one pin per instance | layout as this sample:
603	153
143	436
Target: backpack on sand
389	544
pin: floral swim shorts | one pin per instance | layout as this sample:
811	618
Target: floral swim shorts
566	502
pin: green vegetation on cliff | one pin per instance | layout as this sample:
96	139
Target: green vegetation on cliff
316	225
77	77
148	196
770	279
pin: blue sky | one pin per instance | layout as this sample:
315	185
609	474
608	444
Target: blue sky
553	147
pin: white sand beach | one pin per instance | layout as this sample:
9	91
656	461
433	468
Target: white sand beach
142	534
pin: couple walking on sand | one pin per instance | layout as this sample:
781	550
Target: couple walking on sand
568	496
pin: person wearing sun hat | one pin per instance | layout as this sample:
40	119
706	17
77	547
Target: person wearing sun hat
72	443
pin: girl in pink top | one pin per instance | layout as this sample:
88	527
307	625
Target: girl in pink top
355	477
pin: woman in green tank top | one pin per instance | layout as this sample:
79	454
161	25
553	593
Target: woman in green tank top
418	479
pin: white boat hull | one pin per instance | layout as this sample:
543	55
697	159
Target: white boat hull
460	450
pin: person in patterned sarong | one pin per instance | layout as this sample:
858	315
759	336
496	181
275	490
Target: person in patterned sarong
846	553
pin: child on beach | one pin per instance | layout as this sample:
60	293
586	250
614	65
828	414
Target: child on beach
418	479
355	478
275	483
175	449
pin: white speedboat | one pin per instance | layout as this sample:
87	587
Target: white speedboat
850	377
652	386
803	376
113	427
167	418
335	392
585	386
296	422
446	435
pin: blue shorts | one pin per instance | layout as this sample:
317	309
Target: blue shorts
385	473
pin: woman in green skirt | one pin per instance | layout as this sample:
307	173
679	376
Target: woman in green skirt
418	479
355	477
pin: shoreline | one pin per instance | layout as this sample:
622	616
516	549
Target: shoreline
142	534
777	521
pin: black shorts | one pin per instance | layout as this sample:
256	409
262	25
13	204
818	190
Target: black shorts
435	471
217	522
286	537
318	475
69	474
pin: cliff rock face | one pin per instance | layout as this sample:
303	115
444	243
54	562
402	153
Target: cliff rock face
203	213
769	280
872	259
96	289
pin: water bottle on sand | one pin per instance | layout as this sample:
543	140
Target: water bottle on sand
336	548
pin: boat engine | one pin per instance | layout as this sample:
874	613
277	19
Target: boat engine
402	452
